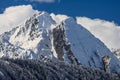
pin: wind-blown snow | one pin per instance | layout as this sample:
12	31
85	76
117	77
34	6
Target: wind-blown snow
107	32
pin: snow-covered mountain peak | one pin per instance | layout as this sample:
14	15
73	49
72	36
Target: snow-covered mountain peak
33	31
55	37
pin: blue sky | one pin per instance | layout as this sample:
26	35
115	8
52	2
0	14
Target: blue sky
107	12
103	9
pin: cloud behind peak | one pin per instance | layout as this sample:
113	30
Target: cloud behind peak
14	15
107	32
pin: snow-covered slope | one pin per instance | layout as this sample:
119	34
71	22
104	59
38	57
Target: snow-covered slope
55	37
108	32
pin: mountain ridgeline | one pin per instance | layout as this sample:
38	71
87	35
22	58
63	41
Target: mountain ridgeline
46	36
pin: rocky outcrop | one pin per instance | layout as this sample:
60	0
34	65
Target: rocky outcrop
59	41
61	45
70	54
106	63
116	52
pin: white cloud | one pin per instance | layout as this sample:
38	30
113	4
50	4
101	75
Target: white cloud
59	17
13	16
107	32
46	1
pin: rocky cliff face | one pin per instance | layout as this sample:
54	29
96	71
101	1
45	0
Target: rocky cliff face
61	45
59	41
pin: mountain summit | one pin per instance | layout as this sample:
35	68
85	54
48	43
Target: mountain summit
55	37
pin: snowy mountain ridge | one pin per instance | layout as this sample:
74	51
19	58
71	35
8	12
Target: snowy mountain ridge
55	37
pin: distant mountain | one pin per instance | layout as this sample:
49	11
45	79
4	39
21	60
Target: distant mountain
55	37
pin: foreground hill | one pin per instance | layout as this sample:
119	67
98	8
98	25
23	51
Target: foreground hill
47	70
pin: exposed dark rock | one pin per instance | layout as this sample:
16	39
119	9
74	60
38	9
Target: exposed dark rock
58	41
33	29
116	52
70	54
106	63
61	44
